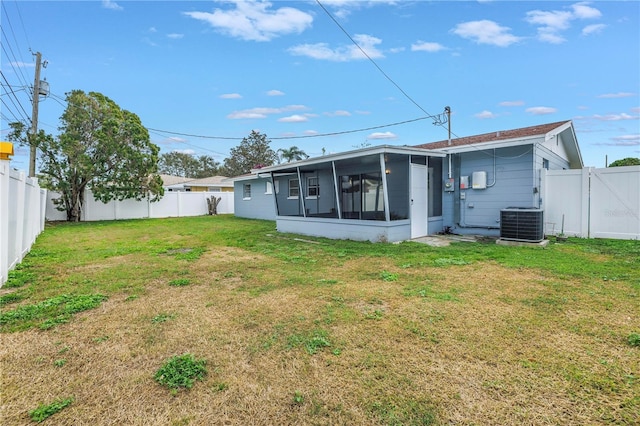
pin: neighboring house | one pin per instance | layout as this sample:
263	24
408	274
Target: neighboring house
391	193
174	183
208	184
211	184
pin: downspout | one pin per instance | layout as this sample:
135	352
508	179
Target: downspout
387	214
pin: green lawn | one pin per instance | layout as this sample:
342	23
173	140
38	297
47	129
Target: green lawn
284	329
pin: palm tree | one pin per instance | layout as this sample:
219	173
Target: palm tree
292	154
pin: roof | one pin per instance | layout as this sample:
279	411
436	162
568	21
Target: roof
169	180
210	181
561	131
501	135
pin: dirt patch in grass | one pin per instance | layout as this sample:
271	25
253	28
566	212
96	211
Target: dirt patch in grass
337	342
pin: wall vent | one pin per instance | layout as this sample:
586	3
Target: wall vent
522	224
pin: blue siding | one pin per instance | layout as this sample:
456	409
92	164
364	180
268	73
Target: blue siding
260	206
511	185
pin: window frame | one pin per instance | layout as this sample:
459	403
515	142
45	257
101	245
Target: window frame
245	192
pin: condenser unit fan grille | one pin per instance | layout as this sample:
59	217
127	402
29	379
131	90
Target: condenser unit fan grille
521	224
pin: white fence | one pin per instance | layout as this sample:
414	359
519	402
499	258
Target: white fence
22	212
172	204
593	203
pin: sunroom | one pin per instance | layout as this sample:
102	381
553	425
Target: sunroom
383	193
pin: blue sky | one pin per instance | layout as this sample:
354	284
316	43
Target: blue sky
292	71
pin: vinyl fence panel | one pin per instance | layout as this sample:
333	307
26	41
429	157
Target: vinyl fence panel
615	203
172	204
21	216
595	203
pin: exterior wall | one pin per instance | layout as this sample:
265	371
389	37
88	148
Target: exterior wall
346	229
512	185
260	206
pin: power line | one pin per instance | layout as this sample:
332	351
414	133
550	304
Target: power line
371	60
7	85
318	135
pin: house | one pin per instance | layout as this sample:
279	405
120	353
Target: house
391	193
208	184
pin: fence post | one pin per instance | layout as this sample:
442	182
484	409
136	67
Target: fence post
6	150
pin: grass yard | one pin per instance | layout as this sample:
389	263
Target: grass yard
223	321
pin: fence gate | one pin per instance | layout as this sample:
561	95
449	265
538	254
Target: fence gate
593	203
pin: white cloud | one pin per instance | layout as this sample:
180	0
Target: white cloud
616	95
230	96
541	110
635	109
176	139
152	30
21	64
486	32
485	114
582	10
310	132
552	23
593	29
255	21
343	53
263	112
275	93
175	36
624	140
615	117
295	118
338	113
185	151
426	46
511	103
382	135
111	5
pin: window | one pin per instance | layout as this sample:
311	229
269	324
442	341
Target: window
545	164
269	188
313	189
294	188
246	191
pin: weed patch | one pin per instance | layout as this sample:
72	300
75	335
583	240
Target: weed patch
634	339
53	311
181	371
44	411
311	342
19	277
180	282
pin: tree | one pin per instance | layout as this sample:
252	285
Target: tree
186	165
253	152
100	147
292	154
629	161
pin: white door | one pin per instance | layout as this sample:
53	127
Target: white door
418	193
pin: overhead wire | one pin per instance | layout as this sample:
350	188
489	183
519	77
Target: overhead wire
438	121
8	86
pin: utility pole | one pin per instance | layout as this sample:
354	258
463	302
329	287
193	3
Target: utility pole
34	117
447	111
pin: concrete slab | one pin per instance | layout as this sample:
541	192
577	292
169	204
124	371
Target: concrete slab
542	243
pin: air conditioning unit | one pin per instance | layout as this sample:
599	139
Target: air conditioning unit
522	224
